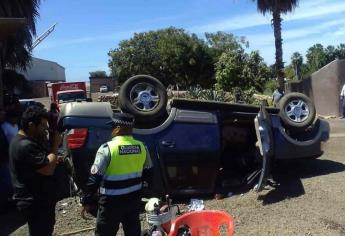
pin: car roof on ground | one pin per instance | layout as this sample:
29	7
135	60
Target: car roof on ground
86	109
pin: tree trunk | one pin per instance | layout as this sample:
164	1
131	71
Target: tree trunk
278	45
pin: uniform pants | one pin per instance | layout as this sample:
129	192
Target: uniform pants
343	106
40	216
113	212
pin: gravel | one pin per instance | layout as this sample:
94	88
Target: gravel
309	201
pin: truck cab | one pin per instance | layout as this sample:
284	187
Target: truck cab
71	96
65	92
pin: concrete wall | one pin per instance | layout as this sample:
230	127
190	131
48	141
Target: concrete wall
324	87
43	70
96	83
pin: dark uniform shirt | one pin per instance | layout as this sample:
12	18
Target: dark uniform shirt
27	156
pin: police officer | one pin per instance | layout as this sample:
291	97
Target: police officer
118	173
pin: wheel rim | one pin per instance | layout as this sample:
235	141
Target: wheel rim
144	97
297	111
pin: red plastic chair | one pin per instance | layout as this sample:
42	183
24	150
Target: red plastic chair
204	223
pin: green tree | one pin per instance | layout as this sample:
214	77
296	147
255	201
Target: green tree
331	53
238	71
170	54
316	58
220	42
340	51
98	74
276	8
15	50
297	62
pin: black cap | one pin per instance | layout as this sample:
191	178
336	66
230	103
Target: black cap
121	119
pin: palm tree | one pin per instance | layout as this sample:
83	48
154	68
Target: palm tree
15	50
276	8
297	62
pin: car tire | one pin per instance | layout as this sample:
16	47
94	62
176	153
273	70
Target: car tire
297	111
144	97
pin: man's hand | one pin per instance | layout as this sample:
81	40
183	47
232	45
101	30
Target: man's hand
86	209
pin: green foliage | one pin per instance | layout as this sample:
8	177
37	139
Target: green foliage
317	57
283	6
270	86
237	69
294	70
213	94
222	42
98	74
16	48
171	55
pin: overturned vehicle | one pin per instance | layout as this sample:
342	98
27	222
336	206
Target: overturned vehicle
197	146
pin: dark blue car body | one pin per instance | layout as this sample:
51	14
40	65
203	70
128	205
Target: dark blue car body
199	145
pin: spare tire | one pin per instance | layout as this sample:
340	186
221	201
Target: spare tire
297	111
144	97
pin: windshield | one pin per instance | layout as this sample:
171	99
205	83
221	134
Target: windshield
70	97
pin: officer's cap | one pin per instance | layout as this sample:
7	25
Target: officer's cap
121	119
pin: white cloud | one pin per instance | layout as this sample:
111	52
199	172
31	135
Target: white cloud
59	43
238	22
316	9
260	40
306	10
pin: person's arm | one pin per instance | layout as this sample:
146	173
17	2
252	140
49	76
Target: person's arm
97	171
342	93
148	168
49	169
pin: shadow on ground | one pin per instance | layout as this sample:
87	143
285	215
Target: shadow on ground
289	174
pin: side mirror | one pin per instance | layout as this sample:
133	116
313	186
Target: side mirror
89	99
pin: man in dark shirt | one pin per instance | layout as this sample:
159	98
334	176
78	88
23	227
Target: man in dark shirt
32	170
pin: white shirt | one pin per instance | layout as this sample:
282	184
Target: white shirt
10	130
342	93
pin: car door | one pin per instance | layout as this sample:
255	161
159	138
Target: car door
189	152
263	127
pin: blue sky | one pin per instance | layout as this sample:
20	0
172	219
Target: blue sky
88	29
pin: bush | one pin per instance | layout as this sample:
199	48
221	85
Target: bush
270	86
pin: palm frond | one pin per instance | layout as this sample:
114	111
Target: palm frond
17	50
268	6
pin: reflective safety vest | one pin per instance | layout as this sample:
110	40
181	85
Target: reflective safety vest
123	174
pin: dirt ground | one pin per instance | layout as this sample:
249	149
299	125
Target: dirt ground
309	201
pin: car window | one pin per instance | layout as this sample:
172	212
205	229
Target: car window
67	97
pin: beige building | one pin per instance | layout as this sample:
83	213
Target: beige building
40	73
